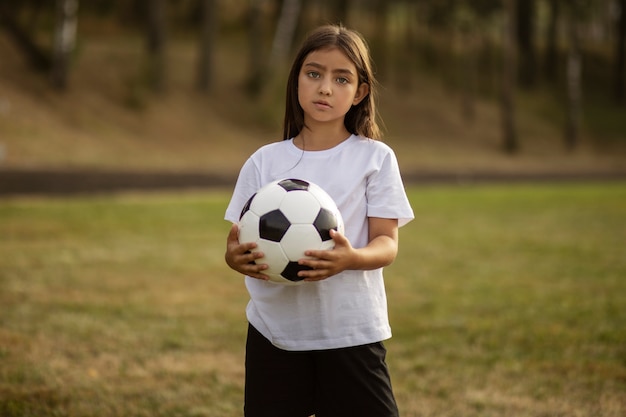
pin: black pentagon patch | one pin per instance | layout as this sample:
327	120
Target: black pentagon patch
291	271
324	222
273	225
294	185
246	206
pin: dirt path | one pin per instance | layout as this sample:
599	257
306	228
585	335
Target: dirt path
59	182
68	182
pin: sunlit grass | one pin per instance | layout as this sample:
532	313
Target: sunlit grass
508	302
504	300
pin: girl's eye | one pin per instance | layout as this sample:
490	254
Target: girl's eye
313	74
342	80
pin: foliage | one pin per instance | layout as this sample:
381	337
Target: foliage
457	42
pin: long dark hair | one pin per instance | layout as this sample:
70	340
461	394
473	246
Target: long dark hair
360	119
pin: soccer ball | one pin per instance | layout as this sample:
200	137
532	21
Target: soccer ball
286	218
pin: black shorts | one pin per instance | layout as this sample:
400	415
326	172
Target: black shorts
344	382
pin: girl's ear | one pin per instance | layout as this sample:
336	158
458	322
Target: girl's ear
361	93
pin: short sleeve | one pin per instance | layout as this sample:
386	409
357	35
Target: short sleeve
386	196
247	184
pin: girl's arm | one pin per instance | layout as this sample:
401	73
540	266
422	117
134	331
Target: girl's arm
379	252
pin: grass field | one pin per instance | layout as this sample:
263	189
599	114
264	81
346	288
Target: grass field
505	301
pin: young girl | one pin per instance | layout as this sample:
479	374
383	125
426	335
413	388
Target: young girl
316	348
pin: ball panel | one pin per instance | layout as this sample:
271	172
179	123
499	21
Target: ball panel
291	271
340	226
327	245
324	222
273	225
322	196
249	228
246	206
293	184
274	257
300	207
267	199
299	238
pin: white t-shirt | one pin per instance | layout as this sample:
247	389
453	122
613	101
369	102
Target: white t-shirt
349	309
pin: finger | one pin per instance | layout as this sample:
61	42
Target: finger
315	256
316	272
259	276
251	257
256	272
233	234
339	238
311	263
248	248
233	239
316	275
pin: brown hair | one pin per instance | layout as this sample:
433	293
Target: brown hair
360	119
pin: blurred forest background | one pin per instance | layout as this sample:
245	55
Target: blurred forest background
499	86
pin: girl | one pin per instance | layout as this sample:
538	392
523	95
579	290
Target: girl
317	348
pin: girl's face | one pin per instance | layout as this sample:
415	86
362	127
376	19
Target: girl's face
328	86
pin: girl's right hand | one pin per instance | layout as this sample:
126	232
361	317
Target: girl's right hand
240	258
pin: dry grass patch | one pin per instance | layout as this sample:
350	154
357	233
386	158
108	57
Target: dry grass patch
504	300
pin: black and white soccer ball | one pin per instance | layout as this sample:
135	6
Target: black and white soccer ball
285	218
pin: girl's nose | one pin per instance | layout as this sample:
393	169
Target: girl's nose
325	88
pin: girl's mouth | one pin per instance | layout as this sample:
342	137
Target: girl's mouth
322	104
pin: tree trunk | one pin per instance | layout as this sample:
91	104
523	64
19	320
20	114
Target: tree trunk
339	11
551	57
39	59
256	62
468	77
409	48
466	48
525	29
285	31
208	31
574	91
64	41
156	36
379	43
620	52
509	53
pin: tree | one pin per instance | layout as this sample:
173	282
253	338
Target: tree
285	31
208	29
156	38
380	44
551	53
55	61
339	11
509	53
466	23
256	62
525	29
573	75
38	58
620	52
64	41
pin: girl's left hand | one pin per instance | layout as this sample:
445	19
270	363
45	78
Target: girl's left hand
326	263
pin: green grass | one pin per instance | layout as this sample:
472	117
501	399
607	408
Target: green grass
504	300
509	301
